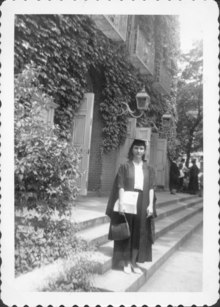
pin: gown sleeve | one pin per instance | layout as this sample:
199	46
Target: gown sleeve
118	183
152	185
121	176
152	178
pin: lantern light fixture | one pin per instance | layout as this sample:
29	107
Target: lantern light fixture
166	116
142	101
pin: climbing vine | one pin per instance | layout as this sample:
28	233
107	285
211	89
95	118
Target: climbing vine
66	48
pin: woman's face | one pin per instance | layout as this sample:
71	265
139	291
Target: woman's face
138	151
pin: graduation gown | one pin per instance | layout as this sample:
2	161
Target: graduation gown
142	228
193	179
174	176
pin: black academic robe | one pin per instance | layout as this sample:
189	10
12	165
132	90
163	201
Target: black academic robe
145	234
174	176
193	179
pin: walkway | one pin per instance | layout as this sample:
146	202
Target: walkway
182	272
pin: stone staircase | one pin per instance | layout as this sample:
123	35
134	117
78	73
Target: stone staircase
177	219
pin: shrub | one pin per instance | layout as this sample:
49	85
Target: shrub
46	166
43	240
46	175
35	246
76	275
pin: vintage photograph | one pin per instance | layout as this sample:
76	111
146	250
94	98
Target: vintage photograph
109	154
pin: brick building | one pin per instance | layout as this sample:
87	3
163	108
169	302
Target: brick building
141	40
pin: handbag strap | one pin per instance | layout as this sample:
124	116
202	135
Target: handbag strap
125	217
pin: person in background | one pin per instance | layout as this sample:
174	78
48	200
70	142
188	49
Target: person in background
200	178
185	179
193	178
185	169
181	177
134	175
174	176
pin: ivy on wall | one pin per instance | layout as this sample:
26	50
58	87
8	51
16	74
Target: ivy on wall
66	48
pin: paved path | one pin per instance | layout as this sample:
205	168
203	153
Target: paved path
182	272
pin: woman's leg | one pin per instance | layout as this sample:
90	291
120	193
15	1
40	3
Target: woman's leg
135	237
122	249
134	266
134	257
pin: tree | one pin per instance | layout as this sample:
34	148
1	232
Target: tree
190	101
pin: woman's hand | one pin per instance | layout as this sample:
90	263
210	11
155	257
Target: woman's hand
121	203
150	210
121	208
151	201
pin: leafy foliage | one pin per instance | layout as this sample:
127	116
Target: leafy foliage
46	167
76	275
43	238
69	48
167	37
190	101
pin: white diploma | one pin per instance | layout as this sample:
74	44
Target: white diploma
129	201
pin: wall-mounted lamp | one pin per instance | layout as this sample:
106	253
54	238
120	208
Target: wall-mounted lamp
142	100
166	118
193	113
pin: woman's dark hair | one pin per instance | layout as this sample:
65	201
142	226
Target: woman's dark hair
136	143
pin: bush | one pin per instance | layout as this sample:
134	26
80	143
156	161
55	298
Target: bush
54	239
35	246
76	276
46	175
46	166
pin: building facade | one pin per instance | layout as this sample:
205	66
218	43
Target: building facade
142	37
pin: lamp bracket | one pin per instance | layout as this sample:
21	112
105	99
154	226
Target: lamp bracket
127	110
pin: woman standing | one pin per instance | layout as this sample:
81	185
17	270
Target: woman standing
134	175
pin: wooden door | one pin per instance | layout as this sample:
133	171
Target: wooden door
161	161
153	149
82	128
123	150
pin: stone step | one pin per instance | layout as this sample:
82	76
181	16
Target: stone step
163	248
163	211
98	235
101	260
103	257
93	222
175	199
101	218
182	271
171	221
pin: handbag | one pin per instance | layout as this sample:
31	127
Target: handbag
120	231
